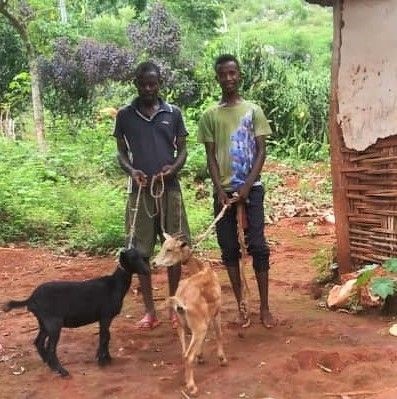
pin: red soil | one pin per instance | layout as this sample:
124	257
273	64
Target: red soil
312	352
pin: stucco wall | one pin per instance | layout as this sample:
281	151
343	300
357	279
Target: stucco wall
367	81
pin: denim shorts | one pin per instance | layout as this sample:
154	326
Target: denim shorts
226	230
170	214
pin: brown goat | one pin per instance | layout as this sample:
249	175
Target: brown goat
197	303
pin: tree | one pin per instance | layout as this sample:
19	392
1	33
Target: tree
200	15
70	76
63	11
12	56
19	14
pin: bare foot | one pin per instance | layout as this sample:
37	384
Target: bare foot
240	321
267	319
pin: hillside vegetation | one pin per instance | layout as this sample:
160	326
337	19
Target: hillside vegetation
72	195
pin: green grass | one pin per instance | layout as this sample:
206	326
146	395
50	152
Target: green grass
285	25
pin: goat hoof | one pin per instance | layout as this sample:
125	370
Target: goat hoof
192	389
223	361
200	359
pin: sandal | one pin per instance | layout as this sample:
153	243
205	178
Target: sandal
174	321
148	322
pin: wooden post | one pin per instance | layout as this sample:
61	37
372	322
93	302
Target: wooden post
338	158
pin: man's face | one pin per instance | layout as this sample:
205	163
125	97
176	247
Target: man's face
228	77
148	85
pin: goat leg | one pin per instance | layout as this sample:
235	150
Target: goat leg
191	353
182	336
40	342
54	330
103	354
219	341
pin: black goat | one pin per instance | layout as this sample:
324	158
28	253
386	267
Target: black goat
73	304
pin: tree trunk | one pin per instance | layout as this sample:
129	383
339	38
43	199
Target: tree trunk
62	10
38	113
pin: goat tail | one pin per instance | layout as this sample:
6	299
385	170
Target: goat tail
14	304
177	305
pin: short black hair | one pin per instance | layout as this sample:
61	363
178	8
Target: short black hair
223	58
145	67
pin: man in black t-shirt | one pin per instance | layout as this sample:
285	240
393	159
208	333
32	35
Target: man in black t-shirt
151	143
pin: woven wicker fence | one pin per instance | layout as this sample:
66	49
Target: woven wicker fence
371	181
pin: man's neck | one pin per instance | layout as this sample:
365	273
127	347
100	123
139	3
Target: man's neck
148	108
230	99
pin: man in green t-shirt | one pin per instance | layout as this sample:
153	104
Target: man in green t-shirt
233	132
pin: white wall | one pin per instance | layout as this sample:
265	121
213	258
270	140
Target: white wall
367	83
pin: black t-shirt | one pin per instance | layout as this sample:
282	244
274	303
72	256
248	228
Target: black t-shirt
152	141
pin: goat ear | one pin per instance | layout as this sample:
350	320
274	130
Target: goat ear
166	236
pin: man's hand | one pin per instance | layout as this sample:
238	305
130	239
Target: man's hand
223	198
139	177
168	171
243	193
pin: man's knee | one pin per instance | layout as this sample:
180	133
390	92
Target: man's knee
260	259
230	256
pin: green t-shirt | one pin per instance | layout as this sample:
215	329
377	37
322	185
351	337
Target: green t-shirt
233	130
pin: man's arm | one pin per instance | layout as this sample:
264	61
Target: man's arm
124	161
181	151
213	168
256	168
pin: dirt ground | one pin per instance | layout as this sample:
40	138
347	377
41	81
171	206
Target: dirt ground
312	353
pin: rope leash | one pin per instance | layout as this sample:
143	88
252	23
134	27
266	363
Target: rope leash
157	192
133	222
205	235
245	291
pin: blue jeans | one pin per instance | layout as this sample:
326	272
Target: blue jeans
226	231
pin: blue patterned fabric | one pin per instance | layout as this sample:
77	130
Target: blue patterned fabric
242	150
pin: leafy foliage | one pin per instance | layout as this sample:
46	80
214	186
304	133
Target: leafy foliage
74	72
18	93
12	56
367	274
65	196
110	28
391	265
200	15
383	287
157	38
